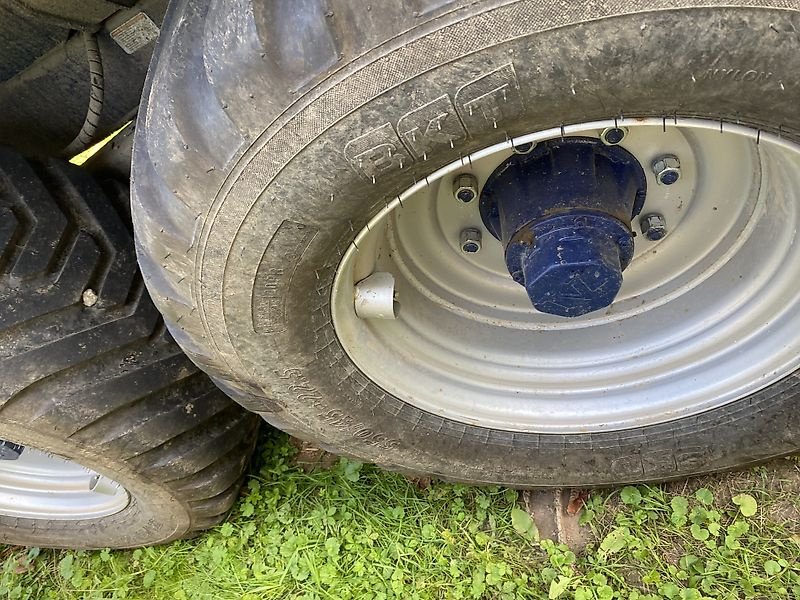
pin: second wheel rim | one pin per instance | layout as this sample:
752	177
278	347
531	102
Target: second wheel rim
38	485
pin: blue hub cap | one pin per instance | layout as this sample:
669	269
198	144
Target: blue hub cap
563	213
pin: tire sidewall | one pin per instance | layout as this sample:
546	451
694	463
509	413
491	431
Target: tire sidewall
295	199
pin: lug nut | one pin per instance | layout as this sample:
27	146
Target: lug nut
654	226
465	187
667	169
612	136
471	240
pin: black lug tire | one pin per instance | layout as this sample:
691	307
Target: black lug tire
103	383
253	109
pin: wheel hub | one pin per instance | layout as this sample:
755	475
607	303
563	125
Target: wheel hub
562	212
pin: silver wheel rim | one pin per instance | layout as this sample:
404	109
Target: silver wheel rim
38	485
706	315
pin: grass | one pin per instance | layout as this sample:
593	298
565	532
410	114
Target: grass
356	532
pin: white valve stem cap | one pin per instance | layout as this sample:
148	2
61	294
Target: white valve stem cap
374	297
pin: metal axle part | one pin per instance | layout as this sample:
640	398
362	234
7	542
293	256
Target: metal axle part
563	213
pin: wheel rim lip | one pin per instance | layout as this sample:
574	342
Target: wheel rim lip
39	485
361	241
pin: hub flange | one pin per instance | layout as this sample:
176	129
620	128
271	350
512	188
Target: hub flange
563	214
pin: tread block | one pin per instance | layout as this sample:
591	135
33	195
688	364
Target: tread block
231	37
22	191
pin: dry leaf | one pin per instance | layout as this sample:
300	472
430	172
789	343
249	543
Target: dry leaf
577	499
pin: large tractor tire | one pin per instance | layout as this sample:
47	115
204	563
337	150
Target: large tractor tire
335	204
110	436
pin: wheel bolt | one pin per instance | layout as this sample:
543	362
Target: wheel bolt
465	187
654	226
470	240
612	136
526	148
667	169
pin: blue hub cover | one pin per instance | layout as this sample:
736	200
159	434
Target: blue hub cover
563	213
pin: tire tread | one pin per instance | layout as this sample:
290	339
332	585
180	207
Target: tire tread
106	377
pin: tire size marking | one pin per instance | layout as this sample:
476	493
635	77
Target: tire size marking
482	105
274	275
305	393
300	387
338	419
